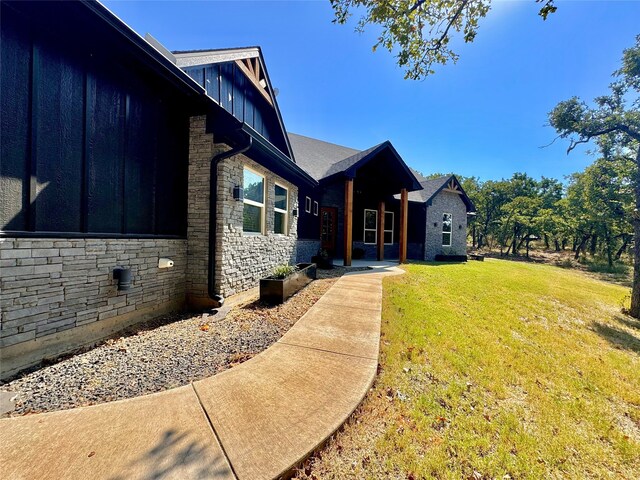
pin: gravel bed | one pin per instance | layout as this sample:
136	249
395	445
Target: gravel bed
163	353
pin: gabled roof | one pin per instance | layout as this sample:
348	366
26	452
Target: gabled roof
251	62
324	160
432	186
317	157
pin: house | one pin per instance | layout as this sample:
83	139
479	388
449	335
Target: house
441	223
108	144
135	181
436	219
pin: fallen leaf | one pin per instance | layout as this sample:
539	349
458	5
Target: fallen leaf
205	327
91	454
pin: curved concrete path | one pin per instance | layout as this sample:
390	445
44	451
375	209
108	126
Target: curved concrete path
255	421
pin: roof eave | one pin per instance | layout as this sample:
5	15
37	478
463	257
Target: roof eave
158	60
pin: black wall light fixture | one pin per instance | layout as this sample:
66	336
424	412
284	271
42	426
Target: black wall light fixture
238	193
123	275
294	212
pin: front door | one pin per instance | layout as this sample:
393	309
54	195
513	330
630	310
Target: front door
328	229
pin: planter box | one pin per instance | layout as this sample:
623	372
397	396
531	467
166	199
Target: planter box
325	263
277	290
451	258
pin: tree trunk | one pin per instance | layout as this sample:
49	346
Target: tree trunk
634	311
514	244
546	241
594	245
556	244
625	244
581	246
608	240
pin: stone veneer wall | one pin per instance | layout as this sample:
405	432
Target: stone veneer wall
243	258
446	202
59	294
201	149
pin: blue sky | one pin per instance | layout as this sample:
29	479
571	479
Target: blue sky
484	116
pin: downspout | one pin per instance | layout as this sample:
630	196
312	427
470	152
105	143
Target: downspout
213	193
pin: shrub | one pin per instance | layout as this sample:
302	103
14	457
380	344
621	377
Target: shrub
597	266
283	271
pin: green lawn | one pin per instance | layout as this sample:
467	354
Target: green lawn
497	369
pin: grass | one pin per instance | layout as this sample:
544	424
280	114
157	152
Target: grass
497	370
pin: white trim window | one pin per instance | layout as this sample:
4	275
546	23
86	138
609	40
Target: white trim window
370	236
315	208
388	228
447	223
253	213
280	209
307	204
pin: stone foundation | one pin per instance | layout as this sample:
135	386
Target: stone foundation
59	294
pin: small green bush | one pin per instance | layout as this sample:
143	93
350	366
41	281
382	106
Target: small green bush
283	271
603	267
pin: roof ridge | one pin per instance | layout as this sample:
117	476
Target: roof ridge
224	49
324	141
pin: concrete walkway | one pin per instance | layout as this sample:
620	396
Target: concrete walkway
256	421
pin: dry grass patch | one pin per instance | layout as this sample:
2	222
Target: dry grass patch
497	370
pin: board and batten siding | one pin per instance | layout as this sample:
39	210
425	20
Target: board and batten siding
228	86
87	146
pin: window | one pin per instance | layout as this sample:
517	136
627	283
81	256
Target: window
315	208
447	221
370	226
253	214
388	228
307	205
280	210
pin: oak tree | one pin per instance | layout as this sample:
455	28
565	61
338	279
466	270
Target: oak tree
420	31
613	121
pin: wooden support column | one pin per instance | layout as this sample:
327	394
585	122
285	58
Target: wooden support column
381	231
404	212
348	221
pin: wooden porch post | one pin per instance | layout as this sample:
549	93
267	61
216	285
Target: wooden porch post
381	231
348	221
404	211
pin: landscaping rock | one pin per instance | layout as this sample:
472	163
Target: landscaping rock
163	353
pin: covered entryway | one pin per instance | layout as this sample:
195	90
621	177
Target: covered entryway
370	224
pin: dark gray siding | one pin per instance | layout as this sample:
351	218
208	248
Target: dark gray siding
90	143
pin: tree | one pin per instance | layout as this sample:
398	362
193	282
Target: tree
421	30
614	122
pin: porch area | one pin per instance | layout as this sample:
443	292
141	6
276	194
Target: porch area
361	220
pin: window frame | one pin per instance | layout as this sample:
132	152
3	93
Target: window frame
365	229
316	208
307	204
450	232
253	202
388	229
285	212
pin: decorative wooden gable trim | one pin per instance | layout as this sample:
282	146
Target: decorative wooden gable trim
453	187
251	68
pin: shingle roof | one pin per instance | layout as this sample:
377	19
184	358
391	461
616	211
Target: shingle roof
318	157
429	188
343	165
